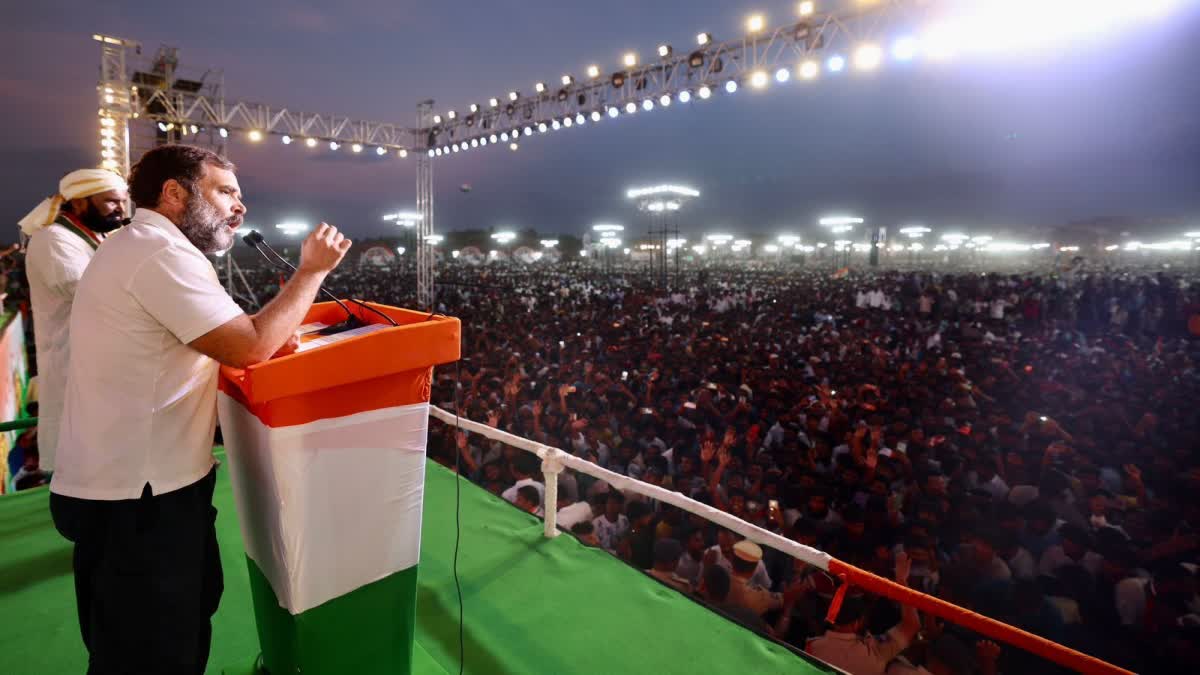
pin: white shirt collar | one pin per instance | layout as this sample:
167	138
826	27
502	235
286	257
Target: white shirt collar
151	217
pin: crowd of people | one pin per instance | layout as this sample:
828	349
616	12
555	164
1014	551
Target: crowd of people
1020	445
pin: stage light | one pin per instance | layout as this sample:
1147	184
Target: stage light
483	142
685	96
783	75
356	148
286	140
731	86
579	118
567	121
836	63
631	107
647	105
513	146
492	138
755	23
613	112
630	59
454	148
474	107
224	132
664	100
703	39
436	151
162	127
868	56
593	71
333	145
504	136
402	152
452	115
437	119
474	142
195	129
541	127
806	8
528	131
595	115
512	96
904	49
664	51
758	80
704	92
310	142
493	102
170	126
567	80
555	125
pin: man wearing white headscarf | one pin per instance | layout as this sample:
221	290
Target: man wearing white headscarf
64	230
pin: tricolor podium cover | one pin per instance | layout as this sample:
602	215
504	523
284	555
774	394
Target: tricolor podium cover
326	452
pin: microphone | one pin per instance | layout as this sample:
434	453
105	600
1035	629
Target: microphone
125	221
255	240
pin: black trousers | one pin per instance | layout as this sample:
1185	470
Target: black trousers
147	578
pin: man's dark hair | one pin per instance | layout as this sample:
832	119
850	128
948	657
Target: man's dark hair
583	528
182	163
716	583
530	494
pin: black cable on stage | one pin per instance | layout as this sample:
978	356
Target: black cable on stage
458	516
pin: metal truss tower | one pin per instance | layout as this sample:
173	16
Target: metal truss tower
425	253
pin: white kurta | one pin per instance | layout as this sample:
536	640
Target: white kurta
54	263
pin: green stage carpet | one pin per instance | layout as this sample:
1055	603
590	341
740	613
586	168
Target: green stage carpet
533	605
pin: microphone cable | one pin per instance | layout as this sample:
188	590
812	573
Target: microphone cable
462	661
255	241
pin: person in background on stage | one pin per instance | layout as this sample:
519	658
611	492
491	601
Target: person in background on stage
64	231
135	472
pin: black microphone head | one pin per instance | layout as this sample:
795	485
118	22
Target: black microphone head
253	239
125	221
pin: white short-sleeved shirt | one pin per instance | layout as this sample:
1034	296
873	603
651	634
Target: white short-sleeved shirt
54	262
141	404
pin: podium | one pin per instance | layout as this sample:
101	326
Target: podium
326	452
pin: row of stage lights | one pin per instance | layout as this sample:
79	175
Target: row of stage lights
257	136
866	57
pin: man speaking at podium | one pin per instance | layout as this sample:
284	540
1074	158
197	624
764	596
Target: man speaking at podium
136	473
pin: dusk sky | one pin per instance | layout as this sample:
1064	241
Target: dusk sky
1105	128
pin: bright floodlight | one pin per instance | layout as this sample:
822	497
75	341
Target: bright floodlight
333	145
809	70
704	92
310	142
630	59
648	105
539	87
836	221
789	239
703	39
513	147
504	236
437	119
759	79
680	190
1192	235
542	127
664	50
664	100
806	8
982	239
685	96
292	228
1112	247
771	248
549	243
357	147
555	125
224	132
783	75
731	86
493	102
868	56
286	140
836	63
605	227
567	80
255	135
755	23
512	95
596	115
955	237
631	107
613	112
381	151
904	49
593	71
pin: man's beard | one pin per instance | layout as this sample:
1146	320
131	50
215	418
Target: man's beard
95	222
203	225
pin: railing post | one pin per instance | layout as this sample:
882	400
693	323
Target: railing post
551	467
